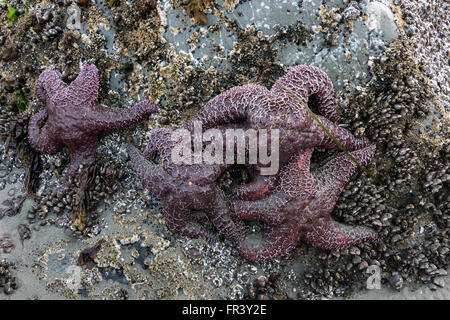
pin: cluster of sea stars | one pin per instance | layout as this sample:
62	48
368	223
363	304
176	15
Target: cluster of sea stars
294	203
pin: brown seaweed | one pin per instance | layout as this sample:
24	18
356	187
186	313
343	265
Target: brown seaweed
88	256
17	140
86	183
33	170
195	9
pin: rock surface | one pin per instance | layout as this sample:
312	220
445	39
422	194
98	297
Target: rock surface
388	61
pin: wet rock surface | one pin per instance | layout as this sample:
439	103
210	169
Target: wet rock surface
388	63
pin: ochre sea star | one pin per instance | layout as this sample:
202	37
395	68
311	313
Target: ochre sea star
300	207
74	118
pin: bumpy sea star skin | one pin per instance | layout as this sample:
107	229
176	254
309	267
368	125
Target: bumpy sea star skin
300	207
74	118
184	189
256	107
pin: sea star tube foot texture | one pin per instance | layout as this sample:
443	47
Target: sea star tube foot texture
305	81
73	117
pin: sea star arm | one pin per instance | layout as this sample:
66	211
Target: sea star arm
79	153
331	178
333	175
221	218
177	221
255	190
159	141
48	84
276	242
105	120
295	182
177	213
343	136
266	209
329	234
200	217
231	106
41	140
84	89
294	173
304	81
295	177
152	176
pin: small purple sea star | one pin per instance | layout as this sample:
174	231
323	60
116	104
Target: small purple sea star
74	118
300	207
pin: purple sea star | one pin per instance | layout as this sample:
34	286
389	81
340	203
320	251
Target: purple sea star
74	118
184	188
253	106
300	207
